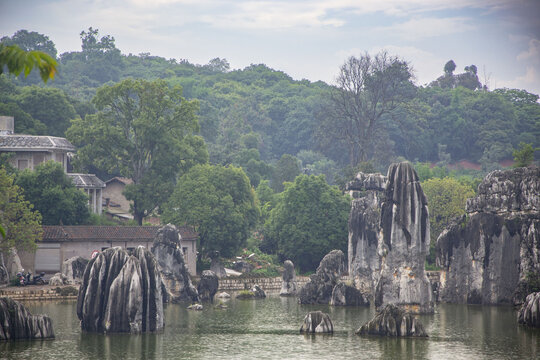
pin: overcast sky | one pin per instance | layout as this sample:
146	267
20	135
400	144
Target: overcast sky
305	39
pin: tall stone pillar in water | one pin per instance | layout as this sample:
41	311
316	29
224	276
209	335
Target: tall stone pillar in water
365	232
405	243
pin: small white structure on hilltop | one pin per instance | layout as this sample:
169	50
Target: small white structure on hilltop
31	150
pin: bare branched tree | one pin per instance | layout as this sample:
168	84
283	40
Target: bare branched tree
368	88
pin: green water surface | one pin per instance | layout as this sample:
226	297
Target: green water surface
268	329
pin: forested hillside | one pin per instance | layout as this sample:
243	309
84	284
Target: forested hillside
253	116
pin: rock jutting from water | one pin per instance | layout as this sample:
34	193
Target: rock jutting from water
121	293
208	285
288	285
317	322
389	239
393	321
17	323
489	255
318	289
256	292
365	232
529	314
405	243
345	295
167	251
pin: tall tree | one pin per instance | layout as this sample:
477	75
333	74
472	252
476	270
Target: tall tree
219	202
31	41
309	220
143	130
20	222
369	88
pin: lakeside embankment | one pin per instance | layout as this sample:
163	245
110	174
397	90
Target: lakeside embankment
69	292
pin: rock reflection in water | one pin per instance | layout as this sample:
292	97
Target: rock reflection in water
268	328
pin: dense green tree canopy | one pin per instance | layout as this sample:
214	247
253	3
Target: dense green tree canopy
143	130
219	202
446	201
49	106
54	195
20	222
309	220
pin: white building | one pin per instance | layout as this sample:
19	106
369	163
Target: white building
31	150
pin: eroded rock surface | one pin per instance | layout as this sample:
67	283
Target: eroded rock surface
392	321
405	243
288	285
317	322
167	250
121	293
365	231
488	254
345	295
208	285
318	289
529	314
73	269
16	322
389	239
217	266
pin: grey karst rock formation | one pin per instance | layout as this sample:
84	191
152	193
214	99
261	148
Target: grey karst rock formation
258	292
121	293
318	289
529	314
317	322
58	279
405	243
208	285
73	269
392	321
488	254
10	265
242	266
216	266
17	323
365	231
389	239
345	295
288	285
167	250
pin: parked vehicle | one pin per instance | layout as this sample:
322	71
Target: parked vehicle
21	279
39	279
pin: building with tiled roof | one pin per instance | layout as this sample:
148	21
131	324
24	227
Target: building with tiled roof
60	243
31	150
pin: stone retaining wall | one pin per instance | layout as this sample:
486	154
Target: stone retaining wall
30	293
267	284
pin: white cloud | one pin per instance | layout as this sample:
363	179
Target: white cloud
532	54
419	28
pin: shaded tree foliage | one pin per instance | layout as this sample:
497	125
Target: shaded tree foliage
144	131
54	195
20	222
309	220
219	202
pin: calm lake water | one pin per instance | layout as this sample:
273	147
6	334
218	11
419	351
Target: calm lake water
268	329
